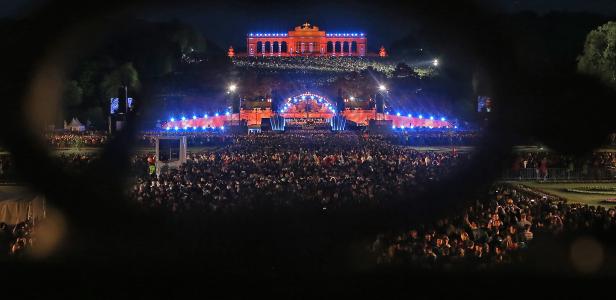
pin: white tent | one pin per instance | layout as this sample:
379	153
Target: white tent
74	125
18	204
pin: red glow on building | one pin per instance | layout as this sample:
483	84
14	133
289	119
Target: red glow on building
382	52
231	53
306	40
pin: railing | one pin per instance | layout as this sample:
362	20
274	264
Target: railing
558	174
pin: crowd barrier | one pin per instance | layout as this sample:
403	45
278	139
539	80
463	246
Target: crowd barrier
559	174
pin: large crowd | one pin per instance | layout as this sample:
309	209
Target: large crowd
417	138
435	138
318	170
491	232
76	139
328	64
193	138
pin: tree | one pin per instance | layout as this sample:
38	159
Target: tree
124	75
599	55
73	94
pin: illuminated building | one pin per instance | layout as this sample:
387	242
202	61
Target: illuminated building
306	40
308	109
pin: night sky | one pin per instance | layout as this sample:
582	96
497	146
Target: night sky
227	22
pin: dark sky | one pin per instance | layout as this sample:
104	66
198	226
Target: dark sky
227	22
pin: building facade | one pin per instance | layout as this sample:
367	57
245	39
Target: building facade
306	40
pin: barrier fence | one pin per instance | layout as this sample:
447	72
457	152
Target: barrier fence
558	174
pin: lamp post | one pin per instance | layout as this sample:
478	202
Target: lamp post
381	95
231	90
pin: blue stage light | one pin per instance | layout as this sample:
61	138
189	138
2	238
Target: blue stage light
421	116
194	117
194	127
409	115
172	120
398	114
216	114
227	113
176	128
393	127
431	118
203	127
205	116
183	118
168	128
222	127
443	119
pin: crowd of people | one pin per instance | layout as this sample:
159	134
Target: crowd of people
66	139
596	165
307	64
491	232
318	170
15	240
193	138
321	170
435	138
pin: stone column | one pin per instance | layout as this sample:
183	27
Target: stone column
262	47
271	48
279	47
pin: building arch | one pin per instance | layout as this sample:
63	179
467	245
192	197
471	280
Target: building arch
318	99
259	47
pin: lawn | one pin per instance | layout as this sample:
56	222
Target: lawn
560	189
